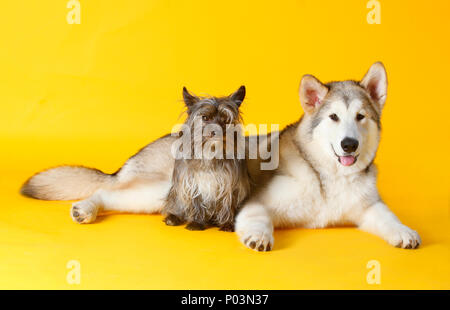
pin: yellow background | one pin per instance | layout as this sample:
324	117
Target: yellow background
95	93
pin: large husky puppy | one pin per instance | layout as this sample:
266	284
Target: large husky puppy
326	174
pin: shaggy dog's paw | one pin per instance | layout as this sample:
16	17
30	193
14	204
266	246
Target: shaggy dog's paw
195	226
173	220
258	240
83	212
404	237
227	227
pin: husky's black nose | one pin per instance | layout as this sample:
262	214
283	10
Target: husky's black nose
349	145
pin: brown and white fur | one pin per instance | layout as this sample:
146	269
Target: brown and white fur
326	176
208	190
310	187
143	183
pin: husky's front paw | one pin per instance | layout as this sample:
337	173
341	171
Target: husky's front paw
258	240
404	237
83	212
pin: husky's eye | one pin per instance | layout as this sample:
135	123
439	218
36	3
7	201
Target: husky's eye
359	117
334	117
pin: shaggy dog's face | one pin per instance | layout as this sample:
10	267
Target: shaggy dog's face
213	120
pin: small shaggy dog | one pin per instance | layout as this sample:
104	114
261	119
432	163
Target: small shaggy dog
208	190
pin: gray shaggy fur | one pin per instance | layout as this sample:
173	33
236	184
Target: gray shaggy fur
208	192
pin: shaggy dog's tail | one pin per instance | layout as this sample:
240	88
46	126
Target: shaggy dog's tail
66	183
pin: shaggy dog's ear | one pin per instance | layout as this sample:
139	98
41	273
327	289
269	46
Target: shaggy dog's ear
188	98
375	83
238	96
312	92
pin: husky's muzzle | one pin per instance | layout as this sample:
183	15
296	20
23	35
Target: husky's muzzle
349	145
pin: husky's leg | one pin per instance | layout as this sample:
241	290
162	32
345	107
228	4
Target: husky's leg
254	227
85	211
137	197
379	220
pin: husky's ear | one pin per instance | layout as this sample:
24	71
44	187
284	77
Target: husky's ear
312	92
238	96
375	82
188	98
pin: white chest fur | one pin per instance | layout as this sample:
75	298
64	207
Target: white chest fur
304	198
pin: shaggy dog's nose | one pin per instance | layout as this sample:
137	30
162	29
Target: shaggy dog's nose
349	145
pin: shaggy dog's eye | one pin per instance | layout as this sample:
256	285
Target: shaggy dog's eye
359	117
225	119
205	118
334	117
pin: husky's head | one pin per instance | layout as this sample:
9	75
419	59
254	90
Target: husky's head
344	118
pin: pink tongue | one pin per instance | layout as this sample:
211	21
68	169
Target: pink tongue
347	160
